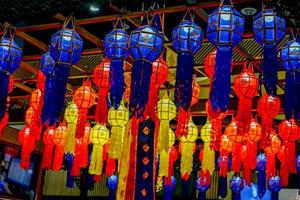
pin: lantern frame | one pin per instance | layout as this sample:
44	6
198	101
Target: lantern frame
290	56
119	117
166	109
99	134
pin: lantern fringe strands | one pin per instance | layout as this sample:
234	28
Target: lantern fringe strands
202	184
4	120
59	141
269	30
187	39
225	30
48	148
71	117
271	150
27	142
169	187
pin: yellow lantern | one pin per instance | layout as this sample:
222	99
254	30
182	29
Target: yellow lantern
99	136
118	120
71	116
166	111
208	161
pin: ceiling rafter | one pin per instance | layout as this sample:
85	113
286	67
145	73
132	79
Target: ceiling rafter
33	41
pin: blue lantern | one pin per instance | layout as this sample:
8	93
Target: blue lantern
290	61
202	184
10	59
236	185
116	49
112	185
169	188
145	45
269	30
274	185
261	164
187	39
224	30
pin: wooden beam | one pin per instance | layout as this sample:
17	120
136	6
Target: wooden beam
29	67
23	87
33	41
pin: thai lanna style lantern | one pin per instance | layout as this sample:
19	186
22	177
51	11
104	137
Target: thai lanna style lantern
209	64
145	45
245	87
187	39
116	49
36	103
101	79
118	118
27	142
84	98
166	111
267	107
48	148
261	163
225	30
208	160
99	136
164	157
169	187
290	61
71	117
236	185
274	185
202	184
59	141
271	150
10	59
268	31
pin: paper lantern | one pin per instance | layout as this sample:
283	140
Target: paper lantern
71	117
36	103
208	160
261	161
274	184
101	79
271	150
209	64
99	136
236	185
290	61
84	98
268	31
59	140
48	148
225	30
27	142
40	81
187	39
145	46
166	111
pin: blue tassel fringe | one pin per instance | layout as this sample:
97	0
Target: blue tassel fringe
70	179
261	183
270	68
223	186
116	82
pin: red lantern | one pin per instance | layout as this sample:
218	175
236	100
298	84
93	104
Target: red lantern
196	92
28	143
271	150
101	79
84	98
48	148
40	81
36	103
209	64
59	140
225	149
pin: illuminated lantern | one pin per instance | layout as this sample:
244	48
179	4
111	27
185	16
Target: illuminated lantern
101	79
145	45
166	111
118	118
209	64
188	148
28	143
36	103
187	39
202	184
99	136
225	30
48	148
261	163
116	49
164	157
71	117
271	150
268	107
290	61
268	31
236	185
208	161
245	87
169	187
59	140
10	59
112	185
84	98
196	92
274	185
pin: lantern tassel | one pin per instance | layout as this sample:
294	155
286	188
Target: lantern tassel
271	165
274	195
292	157
117	138
117	83
236	196
163	137
184	79
236	157
163	164
70	180
49	107
270	68
291	95
3	122
101	107
47	157
182	121
4	81
261	183
185	186
243	116
110	166
208	158
58	157
202	196
81	123
96	161
219	96
70	138
168	195
223	186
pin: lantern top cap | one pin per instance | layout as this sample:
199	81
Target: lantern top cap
69	23
188	16
118	24
9	31
226	2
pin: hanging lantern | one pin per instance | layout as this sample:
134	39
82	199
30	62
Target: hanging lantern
118	118
84	98
99	136
290	61
225	30
127	94
40	81
261	163
271	150
59	141
169	187
36	103
268	31
166	111
187	40
48	148
202	184
208	160
101	79
145	45
116	49
236	185
71	117
209	64
28	143
10	59
274	184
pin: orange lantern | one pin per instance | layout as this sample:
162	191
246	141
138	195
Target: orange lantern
59	140
225	149
36	103
48	148
209	64
253	136
271	150
28	143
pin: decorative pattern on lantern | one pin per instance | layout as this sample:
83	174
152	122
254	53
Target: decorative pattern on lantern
71	117
290	61
166	111
101	79
225	30
187	39
27	142
268	31
274	184
116	49
118	120
84	98
236	185
145	45
208	160
271	150
59	140
99	136
10	59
